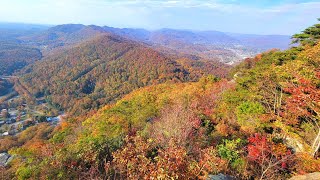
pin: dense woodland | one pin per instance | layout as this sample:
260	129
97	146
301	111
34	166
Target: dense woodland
179	121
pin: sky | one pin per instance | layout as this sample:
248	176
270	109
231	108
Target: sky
285	17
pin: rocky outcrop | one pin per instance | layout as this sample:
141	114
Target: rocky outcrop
295	144
311	176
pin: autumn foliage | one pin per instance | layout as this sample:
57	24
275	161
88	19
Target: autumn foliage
263	123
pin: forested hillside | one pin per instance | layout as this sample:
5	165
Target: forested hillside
14	56
262	124
104	69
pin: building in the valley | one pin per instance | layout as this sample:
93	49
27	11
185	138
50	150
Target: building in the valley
5	113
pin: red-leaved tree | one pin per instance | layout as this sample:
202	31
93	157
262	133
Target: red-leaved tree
268	159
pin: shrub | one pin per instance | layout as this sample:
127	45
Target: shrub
229	150
248	113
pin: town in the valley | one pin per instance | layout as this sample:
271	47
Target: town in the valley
13	121
17	115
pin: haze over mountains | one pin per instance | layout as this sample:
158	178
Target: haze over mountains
35	41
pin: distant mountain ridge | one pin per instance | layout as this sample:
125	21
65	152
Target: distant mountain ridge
213	45
202	37
62	35
210	45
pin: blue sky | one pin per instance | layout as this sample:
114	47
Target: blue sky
242	16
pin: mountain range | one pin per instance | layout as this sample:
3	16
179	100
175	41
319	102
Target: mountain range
207	45
76	64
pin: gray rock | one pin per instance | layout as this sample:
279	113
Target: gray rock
4	159
220	177
9	160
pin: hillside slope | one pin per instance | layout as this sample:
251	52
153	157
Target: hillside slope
103	69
